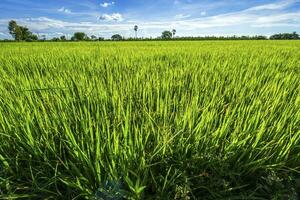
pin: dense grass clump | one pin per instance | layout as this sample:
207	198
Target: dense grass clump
150	120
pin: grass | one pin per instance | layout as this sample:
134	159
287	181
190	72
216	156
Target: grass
150	120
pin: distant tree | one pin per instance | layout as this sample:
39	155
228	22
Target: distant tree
32	37
79	36
63	38
173	32
43	37
26	34
285	36
20	32
116	37
101	38
93	37
12	27
166	35
135	29
55	39
259	37
295	36
15	30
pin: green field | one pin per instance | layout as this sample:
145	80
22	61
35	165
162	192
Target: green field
150	120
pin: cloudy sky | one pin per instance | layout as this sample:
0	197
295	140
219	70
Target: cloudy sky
189	17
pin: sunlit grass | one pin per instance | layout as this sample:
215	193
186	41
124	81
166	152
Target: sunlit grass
146	120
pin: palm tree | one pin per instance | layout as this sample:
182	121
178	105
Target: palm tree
173	32
136	29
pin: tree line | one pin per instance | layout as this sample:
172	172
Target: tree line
22	33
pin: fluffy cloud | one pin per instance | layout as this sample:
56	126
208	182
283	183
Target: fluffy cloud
64	10
181	16
107	4
113	17
234	22
203	13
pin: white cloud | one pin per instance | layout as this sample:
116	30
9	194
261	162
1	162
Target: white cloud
287	19
248	18
234	22
181	16
274	6
64	10
203	13
56	27
107	4
113	17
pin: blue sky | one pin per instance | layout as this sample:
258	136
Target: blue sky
189	17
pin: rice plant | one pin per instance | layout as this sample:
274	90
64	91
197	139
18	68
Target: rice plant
150	120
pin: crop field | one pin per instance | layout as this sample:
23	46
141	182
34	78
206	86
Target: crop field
150	120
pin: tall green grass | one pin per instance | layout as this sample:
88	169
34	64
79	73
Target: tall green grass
150	120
